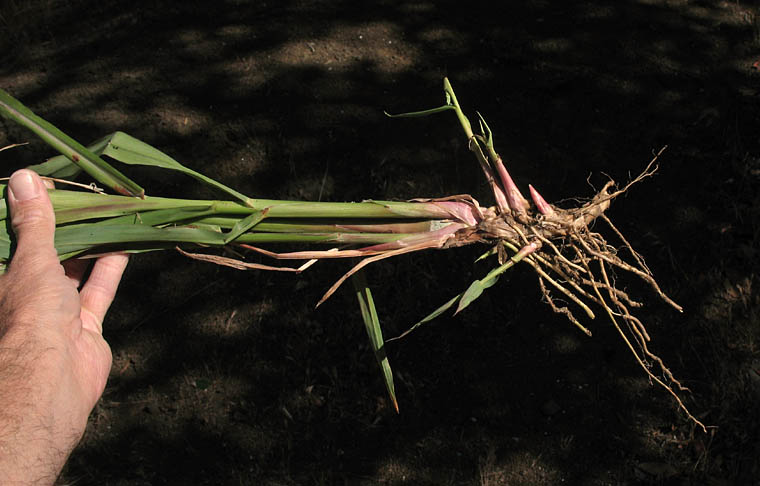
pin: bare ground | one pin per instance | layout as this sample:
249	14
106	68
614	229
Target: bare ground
224	377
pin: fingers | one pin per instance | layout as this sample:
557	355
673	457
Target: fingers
99	290
32	220
75	269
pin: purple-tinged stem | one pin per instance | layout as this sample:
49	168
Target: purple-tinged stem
516	201
500	197
463	212
436	238
543	207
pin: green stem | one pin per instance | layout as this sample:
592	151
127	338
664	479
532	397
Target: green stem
455	103
329	238
72	206
522	253
318	225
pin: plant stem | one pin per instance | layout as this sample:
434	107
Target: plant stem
72	206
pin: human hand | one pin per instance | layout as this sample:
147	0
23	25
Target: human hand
54	362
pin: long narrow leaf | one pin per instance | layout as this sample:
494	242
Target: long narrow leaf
62	167
132	250
72	206
58	167
74	202
489	253
478	286
85	236
244	225
429	317
416	114
96	167
158	217
129	150
475	290
372	324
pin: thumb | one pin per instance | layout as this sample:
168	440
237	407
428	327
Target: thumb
32	218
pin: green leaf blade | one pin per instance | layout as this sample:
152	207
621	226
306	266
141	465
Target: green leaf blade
474	291
131	151
84	237
244	225
58	167
96	167
418	114
440	310
372	325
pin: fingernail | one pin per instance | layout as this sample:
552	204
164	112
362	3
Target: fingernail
23	186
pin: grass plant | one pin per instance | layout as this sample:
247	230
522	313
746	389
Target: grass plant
573	263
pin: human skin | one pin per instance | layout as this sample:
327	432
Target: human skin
54	362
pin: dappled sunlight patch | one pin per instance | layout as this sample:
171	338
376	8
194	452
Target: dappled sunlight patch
195	43
394	471
443	38
179	120
26	79
520	467
378	44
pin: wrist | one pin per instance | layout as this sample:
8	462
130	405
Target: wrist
36	433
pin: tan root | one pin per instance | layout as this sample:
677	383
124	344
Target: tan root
577	262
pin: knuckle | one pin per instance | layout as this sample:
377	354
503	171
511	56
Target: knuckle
32	215
35	264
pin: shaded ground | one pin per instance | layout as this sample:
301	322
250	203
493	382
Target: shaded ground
223	377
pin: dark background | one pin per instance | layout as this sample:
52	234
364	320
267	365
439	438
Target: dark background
228	377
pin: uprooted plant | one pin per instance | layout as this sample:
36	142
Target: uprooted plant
575	265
